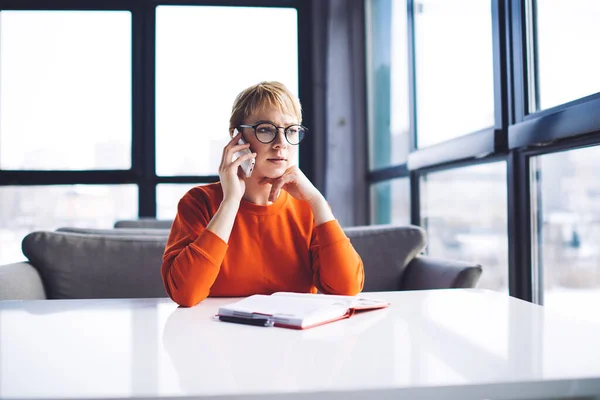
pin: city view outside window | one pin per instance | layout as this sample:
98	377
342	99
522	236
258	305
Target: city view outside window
24	209
464	212
566	210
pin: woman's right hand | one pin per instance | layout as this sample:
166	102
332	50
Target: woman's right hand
231	176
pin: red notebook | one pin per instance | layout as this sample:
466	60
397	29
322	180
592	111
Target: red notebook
296	310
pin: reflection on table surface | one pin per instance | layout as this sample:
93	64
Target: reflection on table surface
441	339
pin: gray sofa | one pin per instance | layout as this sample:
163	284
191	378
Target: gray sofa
74	263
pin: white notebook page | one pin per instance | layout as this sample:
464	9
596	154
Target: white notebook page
294	310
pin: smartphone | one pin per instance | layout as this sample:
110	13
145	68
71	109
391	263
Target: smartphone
247	166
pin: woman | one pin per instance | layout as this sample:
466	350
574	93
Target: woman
272	231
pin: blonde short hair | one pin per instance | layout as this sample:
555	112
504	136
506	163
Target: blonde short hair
263	95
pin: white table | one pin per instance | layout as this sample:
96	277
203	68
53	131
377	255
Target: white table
428	345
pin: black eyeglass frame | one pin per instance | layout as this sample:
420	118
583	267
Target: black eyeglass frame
285	132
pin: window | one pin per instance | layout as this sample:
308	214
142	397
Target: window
65	90
390	202
565	63
29	208
566	210
482	71
387	76
464	212
168	196
204	57
454	69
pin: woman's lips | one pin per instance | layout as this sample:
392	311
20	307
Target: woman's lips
277	160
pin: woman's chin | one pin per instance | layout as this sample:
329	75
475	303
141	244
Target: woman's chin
272	172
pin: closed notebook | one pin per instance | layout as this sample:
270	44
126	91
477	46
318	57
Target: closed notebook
296	310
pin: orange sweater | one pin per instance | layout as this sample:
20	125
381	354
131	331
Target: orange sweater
271	248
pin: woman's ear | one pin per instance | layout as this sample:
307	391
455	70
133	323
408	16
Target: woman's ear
232	132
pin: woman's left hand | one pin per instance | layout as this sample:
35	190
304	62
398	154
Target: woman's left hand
295	183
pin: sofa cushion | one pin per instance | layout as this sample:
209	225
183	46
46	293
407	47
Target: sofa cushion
386	250
118	232
144	223
80	266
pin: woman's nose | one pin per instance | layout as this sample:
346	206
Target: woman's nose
280	139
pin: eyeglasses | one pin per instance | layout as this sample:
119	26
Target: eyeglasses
266	132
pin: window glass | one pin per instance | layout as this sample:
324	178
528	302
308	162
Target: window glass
204	57
24	209
454	68
65	90
387	83
566	62
168	196
390	202
566	210
464	212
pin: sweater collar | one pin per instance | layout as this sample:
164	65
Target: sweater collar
251	208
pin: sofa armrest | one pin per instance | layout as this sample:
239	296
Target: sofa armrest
425	272
20	281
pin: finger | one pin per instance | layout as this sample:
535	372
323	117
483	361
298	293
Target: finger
272	196
241	159
235	137
225	158
241	174
233	142
273	191
238	147
234	167
277	185
230	150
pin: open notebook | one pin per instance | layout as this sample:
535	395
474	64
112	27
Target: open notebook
296	310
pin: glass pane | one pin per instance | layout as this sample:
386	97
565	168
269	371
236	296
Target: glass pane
567	64
566	207
204	57
454	68
464	213
65	90
24	209
168	196
387	83
390	202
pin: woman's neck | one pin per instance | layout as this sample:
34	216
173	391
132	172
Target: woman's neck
256	192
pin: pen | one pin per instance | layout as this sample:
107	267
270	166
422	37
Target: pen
246	321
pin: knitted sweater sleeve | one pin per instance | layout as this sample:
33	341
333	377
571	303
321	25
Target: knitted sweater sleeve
193	254
337	267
